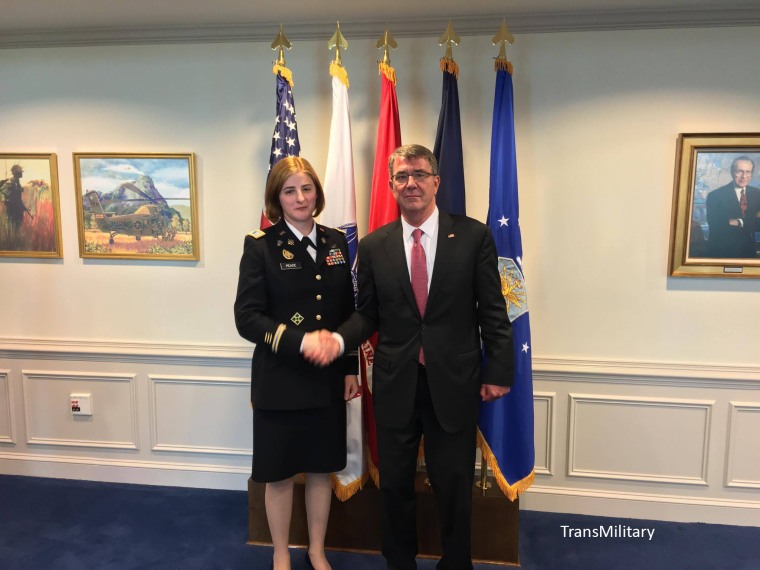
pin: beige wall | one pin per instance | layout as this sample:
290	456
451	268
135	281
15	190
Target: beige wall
614	337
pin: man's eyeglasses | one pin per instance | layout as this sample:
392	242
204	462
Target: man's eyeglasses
402	178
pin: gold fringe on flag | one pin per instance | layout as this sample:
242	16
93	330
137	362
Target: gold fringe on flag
373	471
511	491
287	75
340	72
501	64
450	66
388	71
345	492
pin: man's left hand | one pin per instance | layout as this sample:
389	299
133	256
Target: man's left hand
489	392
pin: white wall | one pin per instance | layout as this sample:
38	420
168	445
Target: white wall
647	387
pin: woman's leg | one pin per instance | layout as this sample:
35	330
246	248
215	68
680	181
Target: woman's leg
278	501
318	497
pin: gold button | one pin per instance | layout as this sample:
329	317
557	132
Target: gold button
319	297
319	277
319	317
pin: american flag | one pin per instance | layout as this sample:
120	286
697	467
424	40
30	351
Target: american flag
285	136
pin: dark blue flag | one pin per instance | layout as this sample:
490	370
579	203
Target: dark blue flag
448	145
506	425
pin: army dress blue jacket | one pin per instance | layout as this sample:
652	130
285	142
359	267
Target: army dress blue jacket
283	294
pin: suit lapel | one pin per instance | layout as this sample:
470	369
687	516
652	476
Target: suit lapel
394	247
443	251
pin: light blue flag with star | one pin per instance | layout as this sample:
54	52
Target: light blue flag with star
505	426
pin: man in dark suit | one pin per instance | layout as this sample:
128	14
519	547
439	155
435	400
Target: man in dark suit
732	214
432	295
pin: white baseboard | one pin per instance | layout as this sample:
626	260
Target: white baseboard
655	507
205	476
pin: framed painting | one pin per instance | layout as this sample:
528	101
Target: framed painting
136	206
715	229
30	224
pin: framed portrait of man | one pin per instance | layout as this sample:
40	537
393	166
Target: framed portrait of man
715	230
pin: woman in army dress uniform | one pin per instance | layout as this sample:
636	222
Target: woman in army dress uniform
290	289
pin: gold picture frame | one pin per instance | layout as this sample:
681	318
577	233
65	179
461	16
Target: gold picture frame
715	227
136	206
30	210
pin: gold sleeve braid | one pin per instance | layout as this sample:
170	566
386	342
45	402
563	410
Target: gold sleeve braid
277	336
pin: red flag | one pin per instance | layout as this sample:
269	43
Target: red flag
382	210
382	205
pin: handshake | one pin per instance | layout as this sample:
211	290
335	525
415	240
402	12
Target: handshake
320	348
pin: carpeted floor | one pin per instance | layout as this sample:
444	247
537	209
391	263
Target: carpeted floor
63	524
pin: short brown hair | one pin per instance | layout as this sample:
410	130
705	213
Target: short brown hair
410	151
280	172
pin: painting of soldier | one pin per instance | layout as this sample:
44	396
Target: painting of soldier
29	208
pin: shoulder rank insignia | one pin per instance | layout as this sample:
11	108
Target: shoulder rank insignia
257	234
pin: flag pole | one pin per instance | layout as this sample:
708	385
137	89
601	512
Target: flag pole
382	210
501	39
505	426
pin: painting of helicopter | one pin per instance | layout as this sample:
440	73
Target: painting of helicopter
137	206
152	219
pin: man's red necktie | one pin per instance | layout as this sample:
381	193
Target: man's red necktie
419	277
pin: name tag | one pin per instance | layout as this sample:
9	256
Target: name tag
292	265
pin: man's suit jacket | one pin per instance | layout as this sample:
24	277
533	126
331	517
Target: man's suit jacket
283	294
464	305
726	240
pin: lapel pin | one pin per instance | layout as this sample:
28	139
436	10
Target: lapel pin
451	235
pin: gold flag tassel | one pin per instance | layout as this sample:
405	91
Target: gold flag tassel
449	37
385	68
501	39
511	491
281	43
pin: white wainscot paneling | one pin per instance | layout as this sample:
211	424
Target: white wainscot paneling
743	460
6	409
201	415
639	439
543	423
49	421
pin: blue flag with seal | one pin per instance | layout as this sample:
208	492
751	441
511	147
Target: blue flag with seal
505	426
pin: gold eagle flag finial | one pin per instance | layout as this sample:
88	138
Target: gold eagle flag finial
337	42
447	61
501	38
449	37
384	43
280	43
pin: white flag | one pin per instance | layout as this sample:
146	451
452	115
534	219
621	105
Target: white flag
340	212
